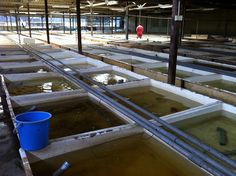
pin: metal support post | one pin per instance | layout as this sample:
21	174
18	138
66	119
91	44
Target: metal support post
115	24
100	23
11	23
175	24
16	20
46	17
29	23
91	20
7	22
19	22
70	22
42	22
182	8
127	22
78	26
112	24
103	30
63	21
139	16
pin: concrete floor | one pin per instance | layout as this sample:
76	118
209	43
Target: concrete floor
10	162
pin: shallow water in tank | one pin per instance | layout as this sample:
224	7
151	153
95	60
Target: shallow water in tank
204	128
39	86
222	84
110	78
14	52
29	60
79	66
157	101
136	155
27	70
74	117
221	67
132	61
179	73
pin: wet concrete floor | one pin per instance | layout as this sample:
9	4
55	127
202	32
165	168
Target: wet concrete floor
10	162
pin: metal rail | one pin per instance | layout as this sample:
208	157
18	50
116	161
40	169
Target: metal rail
194	155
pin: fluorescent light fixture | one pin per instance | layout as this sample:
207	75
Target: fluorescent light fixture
117	9
82	7
201	9
61	6
165	6
98	4
106	2
148	7
112	2
162	6
31	13
89	13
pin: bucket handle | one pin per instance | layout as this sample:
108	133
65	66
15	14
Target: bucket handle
16	127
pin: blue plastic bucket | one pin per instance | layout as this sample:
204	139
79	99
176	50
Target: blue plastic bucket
33	129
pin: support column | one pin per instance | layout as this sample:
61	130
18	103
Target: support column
63	21
29	23
11	23
127	22
100	23
42	22
197	25
136	21
182	8
167	27
175	24
91	20
139	16
46	17
103	25
70	22
73	22
78	26
112	24
16	20
115	24
146	25
226	28
226	24
19	22
7	22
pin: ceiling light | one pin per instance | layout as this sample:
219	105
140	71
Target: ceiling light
165	6
88	13
112	2
117	9
61	6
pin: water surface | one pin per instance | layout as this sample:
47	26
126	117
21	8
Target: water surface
137	155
